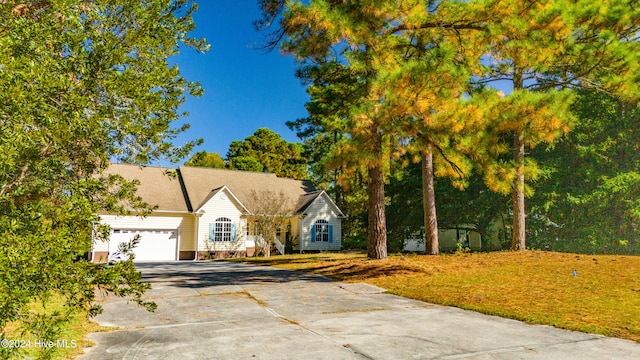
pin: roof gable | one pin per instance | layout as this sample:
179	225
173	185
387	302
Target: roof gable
307	201
225	190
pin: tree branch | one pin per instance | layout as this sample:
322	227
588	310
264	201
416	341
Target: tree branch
455	167
432	25
7	187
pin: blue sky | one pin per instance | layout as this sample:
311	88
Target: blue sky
244	88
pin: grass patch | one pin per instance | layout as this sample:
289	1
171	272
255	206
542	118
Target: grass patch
354	311
70	342
532	286
258	301
292	322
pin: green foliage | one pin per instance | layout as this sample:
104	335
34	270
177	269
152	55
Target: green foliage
354	243
538	117
590	201
377	78
266	150
404	192
208	160
416	80
246	163
475	206
542	47
80	84
587	192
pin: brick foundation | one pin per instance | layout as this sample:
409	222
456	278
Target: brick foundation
102	256
187	255
205	255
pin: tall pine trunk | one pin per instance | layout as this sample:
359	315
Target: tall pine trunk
377	226
518	237
429	204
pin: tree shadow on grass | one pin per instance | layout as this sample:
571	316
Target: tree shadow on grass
347	269
350	271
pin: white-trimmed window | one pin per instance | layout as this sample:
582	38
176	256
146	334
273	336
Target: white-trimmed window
222	230
320	232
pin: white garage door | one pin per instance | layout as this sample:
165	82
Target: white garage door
154	245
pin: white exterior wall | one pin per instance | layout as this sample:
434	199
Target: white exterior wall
221	207
185	223
321	210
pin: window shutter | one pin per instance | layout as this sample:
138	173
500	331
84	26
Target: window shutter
233	232
313	233
212	230
330	233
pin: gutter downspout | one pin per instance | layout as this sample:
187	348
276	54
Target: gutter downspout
301	234
198	215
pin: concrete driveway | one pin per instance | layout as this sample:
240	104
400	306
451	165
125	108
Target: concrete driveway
219	310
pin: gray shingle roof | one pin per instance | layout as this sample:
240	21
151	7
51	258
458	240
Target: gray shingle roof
156	187
194	186
199	182
305	200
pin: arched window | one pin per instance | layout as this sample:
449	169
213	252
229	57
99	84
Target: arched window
222	230
321	231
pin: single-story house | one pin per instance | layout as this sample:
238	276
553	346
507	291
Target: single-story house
203	212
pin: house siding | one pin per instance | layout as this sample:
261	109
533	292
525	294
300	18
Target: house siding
185	223
321	210
215	208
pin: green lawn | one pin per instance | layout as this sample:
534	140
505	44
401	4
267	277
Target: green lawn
69	342
537	287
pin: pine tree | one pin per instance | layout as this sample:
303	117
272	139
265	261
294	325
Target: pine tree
539	48
426	72
415	57
315	33
414	72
